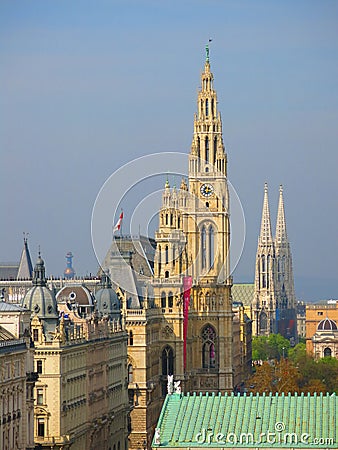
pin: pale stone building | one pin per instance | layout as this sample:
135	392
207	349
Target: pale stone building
81	393
274	304
17	379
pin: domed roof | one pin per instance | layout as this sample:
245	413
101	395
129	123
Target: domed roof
327	325
79	294
107	302
39	299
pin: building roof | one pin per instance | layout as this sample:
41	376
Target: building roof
10	307
233	421
327	325
9	271
243	292
25	269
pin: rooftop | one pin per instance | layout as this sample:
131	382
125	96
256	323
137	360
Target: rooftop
249	421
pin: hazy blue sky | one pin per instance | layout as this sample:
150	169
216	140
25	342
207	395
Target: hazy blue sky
86	86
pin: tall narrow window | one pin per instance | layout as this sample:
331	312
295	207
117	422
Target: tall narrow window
39	396
41	427
211	247
215	150
166	254
208	347
35	334
163	300
131	338
207	149
198	147
263	322
167	361
212	107
130	373
39	366
203	247
207	107
170	300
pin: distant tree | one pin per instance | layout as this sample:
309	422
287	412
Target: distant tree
275	377
328	373
297	353
314	386
274	346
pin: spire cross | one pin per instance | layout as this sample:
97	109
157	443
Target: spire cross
207	51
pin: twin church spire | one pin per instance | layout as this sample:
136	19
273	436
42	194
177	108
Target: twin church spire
274	298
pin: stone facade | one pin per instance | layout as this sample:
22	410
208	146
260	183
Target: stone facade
274	304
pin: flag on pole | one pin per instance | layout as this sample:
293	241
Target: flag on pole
187	283
118	223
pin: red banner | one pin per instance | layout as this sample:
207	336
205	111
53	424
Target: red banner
187	283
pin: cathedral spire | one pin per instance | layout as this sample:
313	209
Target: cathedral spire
265	236
281	235
25	267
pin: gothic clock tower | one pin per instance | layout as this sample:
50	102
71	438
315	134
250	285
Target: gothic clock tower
207	228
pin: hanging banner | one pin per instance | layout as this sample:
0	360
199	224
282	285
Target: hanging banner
187	283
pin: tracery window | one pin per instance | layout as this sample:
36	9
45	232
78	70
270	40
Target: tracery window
167	361
208	347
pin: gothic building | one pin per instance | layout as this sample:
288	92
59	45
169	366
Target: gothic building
182	322
274	304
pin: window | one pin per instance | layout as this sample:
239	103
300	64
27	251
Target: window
263	322
163	300
207	107
39	398
207	149
166	274
39	366
203	247
167	361
131	338
212	107
320	313
170	300
327	352
41	427
130	373
166	254
208	347
131	394
178	222
211	246
35	334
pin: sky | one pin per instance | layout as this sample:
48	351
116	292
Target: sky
88	86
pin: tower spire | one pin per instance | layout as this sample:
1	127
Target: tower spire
265	236
281	235
25	267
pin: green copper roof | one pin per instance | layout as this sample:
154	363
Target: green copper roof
252	421
243	292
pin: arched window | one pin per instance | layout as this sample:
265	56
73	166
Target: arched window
131	338
327	352
170	300
166	254
178	222
203	247
201	106
207	107
130	373
166	274
263	322
212	107
207	149
215	150
211	246
167	361
208	347
163	300
166	219
198	147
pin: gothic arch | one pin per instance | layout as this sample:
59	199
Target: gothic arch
167	357
209	352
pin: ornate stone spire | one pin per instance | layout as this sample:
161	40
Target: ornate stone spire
265	236
281	235
39	277
207	150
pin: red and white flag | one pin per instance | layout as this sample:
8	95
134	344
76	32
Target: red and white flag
118	223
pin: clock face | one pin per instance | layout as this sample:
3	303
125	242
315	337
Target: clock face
207	189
